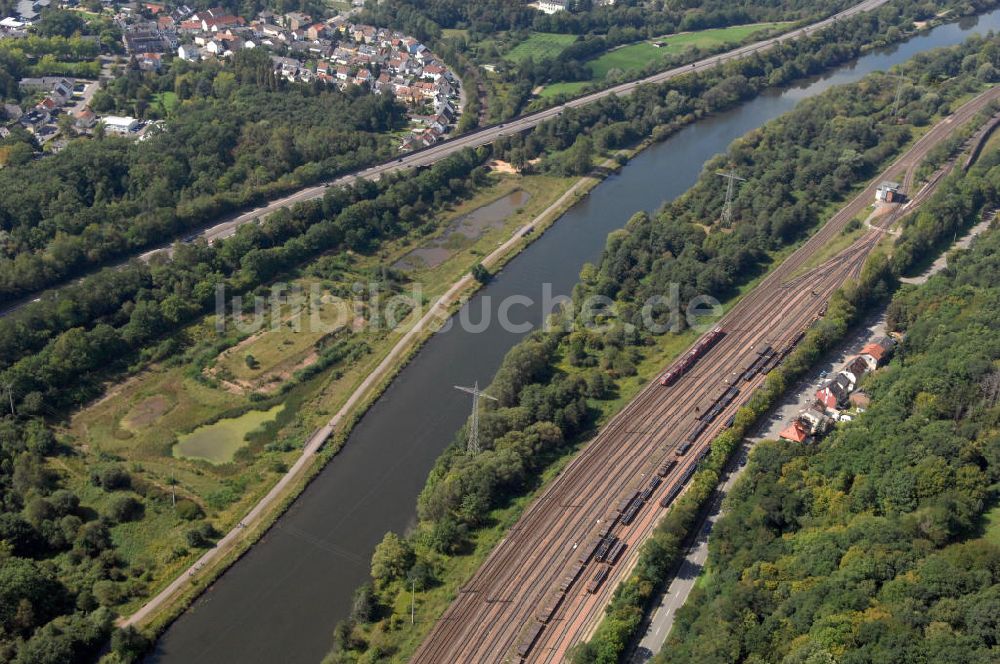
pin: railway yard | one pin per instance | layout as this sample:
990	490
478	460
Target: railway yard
544	587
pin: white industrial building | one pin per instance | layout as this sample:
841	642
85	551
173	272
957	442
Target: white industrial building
117	124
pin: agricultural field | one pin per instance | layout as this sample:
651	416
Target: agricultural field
634	57
265	360
540	46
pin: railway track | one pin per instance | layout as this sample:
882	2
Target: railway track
519	605
608	469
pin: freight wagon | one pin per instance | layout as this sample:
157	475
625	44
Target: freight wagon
598	579
530	637
684	364
666	468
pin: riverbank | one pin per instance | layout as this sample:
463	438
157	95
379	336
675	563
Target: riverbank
452	572
856	313
330	529
156	614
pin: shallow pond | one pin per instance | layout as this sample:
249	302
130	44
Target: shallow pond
464	230
219	441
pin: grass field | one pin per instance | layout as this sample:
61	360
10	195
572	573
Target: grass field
166	100
540	46
634	57
177	407
564	88
283	346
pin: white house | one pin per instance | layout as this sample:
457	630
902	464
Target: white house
551	6
188	52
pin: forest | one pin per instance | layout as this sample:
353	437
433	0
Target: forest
244	137
491	27
550	387
61	577
241	136
57	353
872	546
610	124
512	88
953	209
489	16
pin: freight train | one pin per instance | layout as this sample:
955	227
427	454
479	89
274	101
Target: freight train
692	356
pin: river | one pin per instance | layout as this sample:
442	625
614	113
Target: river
279	603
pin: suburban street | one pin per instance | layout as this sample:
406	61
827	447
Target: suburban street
797	398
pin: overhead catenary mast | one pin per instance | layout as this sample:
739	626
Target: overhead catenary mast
472	446
727	209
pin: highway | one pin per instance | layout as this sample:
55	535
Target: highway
530	599
489	134
473	139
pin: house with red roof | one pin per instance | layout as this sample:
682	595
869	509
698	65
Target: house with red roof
878	352
797	432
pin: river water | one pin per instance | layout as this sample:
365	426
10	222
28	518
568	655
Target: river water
279	603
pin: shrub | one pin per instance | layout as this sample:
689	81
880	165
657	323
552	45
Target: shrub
188	510
111	478
125	508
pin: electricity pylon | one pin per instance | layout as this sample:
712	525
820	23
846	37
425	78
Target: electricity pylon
472	447
899	92
727	209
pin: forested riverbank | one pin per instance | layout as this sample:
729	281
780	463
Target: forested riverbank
242	137
60	351
954	208
524	48
554	387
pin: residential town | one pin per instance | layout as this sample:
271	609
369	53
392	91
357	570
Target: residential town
839	393
334	51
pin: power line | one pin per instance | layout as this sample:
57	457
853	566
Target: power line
727	209
472	446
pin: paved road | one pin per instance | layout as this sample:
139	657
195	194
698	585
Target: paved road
490	134
687	575
89	90
228	226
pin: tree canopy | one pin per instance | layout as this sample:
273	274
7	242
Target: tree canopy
868	547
